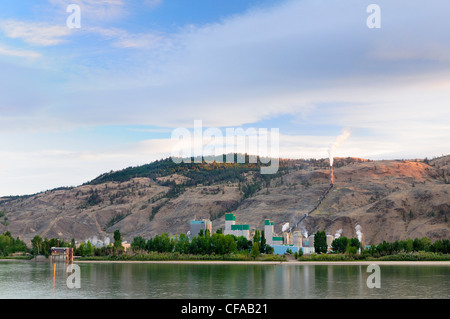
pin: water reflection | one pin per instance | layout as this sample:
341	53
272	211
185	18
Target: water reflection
136	280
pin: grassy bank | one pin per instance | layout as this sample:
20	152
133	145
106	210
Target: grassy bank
415	256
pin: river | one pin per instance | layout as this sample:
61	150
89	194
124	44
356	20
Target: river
31	280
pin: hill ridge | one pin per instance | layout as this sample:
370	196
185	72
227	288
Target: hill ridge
390	199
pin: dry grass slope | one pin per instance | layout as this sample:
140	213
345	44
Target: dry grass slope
389	199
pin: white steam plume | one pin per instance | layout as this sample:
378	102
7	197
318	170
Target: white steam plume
358	232
304	232
338	234
341	138
285	227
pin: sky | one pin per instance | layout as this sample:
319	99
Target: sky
79	102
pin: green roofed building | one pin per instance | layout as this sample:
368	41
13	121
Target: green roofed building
237	230
268	231
240	227
277	240
230	217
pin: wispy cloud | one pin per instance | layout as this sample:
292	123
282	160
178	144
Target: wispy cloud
319	64
18	53
38	34
121	38
152	3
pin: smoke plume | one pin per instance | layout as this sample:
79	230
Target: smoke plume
285	227
341	138
358	232
338	234
304	231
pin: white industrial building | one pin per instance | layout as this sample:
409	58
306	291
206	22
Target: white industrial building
290	241
231	228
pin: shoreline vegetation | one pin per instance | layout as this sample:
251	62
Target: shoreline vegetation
220	248
403	258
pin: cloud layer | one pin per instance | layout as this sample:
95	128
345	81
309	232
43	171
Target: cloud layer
296	64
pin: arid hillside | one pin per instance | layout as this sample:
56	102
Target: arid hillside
389	199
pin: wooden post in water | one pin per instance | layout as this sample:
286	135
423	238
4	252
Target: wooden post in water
54	274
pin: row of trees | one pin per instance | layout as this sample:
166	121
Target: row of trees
345	245
218	244
410	245
203	244
41	246
339	245
351	245
9	245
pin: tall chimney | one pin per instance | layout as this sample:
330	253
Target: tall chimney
331	175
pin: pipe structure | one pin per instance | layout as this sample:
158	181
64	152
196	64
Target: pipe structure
314	208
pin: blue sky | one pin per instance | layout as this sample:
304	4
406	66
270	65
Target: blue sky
75	103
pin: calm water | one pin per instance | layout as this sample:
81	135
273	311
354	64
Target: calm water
113	280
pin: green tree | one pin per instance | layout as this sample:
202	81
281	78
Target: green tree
89	249
263	247
269	250
6	245
36	243
218	244
230	244
426	242
80	250
242	243
339	245
418	245
320	242
117	239
255	250
352	250
182	244
167	244
409	245
354	242
138	243
257	237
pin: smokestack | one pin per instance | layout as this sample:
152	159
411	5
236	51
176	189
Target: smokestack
331	176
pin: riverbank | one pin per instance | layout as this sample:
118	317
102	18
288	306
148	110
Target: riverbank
290	263
223	262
